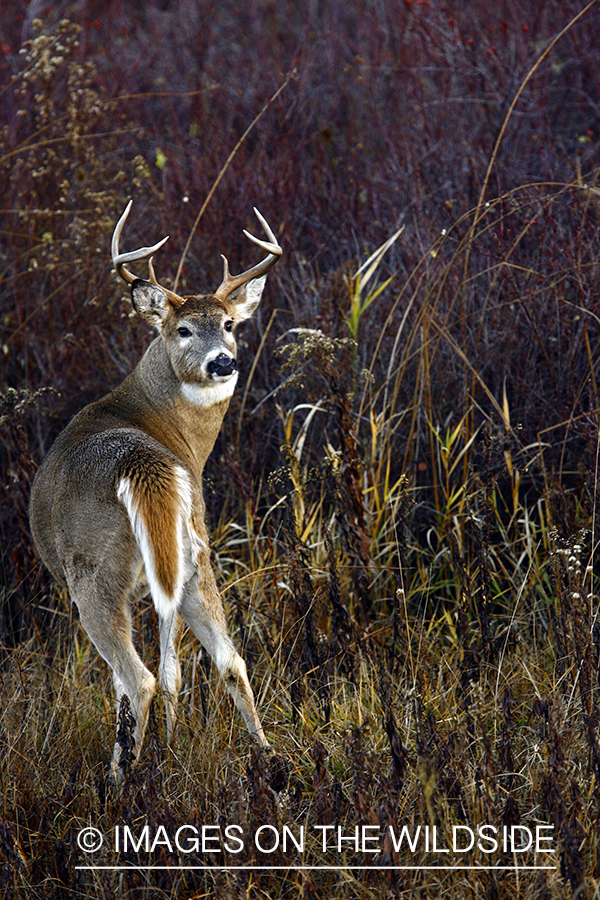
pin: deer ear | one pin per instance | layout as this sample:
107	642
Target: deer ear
150	302
246	298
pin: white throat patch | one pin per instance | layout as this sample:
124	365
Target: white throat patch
210	393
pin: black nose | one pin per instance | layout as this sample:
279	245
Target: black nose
222	365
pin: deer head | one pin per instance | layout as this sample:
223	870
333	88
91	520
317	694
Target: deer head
198	330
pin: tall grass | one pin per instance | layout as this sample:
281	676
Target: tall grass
403	498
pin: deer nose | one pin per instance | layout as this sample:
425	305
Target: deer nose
222	365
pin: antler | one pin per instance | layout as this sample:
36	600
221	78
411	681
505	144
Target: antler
119	259
231	282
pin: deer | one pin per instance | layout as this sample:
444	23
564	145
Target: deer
117	509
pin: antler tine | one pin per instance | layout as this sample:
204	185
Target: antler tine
175	299
266	245
231	282
266	227
119	259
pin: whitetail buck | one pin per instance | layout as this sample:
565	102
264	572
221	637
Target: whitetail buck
117	508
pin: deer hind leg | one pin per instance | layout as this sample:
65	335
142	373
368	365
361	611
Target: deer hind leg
203	612
170	629
108	625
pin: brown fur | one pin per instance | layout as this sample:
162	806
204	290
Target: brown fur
156	500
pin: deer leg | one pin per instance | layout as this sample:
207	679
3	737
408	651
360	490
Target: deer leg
171	629
108	626
203	612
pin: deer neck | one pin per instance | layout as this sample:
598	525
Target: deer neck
167	410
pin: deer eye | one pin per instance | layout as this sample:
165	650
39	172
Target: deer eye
184	332
228	326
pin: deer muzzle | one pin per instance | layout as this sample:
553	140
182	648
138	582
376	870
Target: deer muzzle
222	365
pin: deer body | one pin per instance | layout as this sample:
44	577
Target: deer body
117	508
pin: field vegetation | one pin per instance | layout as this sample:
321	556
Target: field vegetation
403	500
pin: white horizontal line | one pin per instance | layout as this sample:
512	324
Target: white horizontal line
329	868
